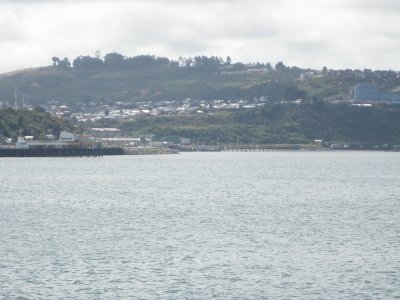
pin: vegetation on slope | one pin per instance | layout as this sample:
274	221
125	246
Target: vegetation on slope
142	78
115	77
107	86
35	123
276	124
272	124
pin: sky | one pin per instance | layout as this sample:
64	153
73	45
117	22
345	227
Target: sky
354	34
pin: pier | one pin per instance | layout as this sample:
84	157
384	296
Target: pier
271	147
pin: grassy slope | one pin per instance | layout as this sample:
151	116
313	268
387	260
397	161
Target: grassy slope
71	86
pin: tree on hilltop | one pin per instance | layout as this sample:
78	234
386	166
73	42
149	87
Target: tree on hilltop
88	62
65	63
114	60
279	66
55	60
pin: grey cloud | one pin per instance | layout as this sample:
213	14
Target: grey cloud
307	32
308	46
9	34
388	6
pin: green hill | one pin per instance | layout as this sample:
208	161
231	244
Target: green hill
145	78
73	86
96	80
35	123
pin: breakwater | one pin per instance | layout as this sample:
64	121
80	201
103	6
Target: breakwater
148	151
82	152
60	152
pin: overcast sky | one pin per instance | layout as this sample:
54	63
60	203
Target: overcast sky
306	33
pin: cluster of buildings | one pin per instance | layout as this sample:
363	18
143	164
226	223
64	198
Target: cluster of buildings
121	110
366	74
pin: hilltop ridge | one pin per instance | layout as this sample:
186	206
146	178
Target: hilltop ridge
115	77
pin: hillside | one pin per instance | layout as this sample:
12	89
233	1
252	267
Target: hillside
35	123
73	86
117	78
273	124
278	123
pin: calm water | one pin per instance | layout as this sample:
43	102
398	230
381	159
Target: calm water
277	225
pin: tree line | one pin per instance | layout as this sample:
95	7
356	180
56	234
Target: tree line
119	61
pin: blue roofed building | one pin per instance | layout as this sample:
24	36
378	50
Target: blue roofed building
367	92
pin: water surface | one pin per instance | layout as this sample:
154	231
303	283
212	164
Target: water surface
305	225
